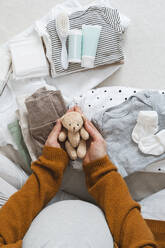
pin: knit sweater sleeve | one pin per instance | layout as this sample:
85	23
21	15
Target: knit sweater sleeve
21	208
123	215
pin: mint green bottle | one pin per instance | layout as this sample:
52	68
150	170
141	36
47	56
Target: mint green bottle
75	46
90	39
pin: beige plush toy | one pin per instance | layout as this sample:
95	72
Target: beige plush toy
74	135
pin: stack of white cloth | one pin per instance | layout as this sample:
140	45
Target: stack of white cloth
6	191
8	106
12	178
5	66
28	57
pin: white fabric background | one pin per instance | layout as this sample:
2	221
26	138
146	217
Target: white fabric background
145	38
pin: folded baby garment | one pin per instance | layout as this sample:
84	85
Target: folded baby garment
44	107
5	66
12	154
30	86
109	48
16	133
69	7
6	190
117	123
28	58
100	99
8	107
142	184
22	115
12	173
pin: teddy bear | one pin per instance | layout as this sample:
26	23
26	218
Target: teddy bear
74	135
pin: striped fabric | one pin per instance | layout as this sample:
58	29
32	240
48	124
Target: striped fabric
109	48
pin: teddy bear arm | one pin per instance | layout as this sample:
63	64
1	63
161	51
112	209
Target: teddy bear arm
84	134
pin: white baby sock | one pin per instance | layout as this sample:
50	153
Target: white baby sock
147	124
153	144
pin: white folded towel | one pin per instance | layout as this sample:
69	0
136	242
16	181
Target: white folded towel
28	58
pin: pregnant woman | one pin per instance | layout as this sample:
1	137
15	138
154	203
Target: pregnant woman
123	219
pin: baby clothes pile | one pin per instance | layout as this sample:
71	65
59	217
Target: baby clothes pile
37	53
114	110
117	124
105	99
37	115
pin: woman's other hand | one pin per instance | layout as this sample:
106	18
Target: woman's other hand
52	139
96	148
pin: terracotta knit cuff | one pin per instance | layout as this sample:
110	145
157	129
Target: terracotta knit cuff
104	161
156	226
55	154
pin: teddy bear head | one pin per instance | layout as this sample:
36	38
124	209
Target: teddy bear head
72	121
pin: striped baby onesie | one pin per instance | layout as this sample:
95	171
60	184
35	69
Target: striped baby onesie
109	49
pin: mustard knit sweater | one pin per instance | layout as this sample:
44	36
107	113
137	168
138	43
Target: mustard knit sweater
104	183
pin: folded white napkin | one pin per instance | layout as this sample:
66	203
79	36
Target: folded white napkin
28	58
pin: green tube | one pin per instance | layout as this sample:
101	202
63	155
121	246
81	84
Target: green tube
91	34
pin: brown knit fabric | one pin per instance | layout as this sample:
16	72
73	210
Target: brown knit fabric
44	107
104	183
22	207
123	216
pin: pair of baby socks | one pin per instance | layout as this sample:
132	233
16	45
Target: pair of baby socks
144	133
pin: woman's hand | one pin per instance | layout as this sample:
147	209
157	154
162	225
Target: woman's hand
96	145
52	139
